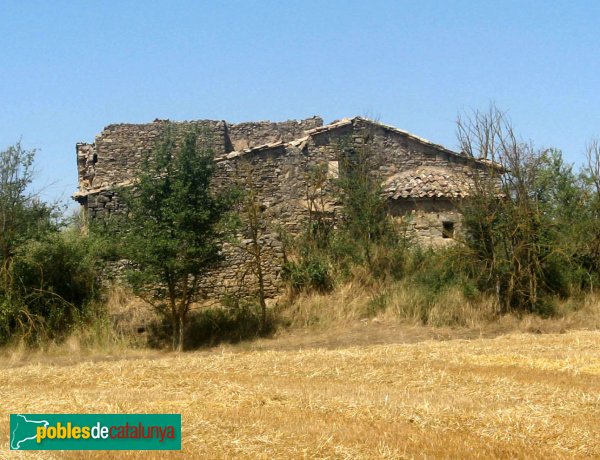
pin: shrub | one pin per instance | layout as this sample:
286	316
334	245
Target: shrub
54	282
309	273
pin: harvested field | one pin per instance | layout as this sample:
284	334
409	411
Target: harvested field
515	396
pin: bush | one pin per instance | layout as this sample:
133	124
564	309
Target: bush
54	282
436	271
308	274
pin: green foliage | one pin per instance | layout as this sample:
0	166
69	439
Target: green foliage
174	226
389	259
435	272
309	273
47	278
365	217
62	265
22	215
365	234
54	286
528	230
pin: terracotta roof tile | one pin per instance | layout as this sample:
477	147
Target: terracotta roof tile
427	182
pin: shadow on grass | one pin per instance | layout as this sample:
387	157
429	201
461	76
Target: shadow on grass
208	327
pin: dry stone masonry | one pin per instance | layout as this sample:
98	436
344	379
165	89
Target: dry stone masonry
422	181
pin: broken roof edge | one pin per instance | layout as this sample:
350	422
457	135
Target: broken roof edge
93	191
158	121
350	121
293	143
301	141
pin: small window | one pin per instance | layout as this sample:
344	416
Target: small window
447	229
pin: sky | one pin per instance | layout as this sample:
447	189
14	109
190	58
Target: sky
69	68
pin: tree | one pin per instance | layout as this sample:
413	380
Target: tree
363	205
22	214
586	213
365	218
516	216
16	174
47	278
174	226
252	214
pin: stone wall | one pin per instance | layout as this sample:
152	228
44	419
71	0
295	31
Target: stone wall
247	135
86	164
119	149
429	222
279	176
102	204
399	152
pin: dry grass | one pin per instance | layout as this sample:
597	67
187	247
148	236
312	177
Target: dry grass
399	301
406	304
130	315
344	305
515	396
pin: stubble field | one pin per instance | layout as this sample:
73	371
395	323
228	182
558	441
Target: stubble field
515	396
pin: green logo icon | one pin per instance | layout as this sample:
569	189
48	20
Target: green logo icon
95	431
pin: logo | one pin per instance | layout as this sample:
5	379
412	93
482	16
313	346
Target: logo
95	431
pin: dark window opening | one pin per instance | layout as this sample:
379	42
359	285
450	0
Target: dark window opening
447	229
95	158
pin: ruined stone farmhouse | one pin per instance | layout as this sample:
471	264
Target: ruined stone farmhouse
422	181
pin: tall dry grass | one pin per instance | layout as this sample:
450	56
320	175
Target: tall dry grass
406	303
398	301
113	331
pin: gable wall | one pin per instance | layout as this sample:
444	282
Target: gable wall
397	152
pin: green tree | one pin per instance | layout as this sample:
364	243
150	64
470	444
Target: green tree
365	221
174	226
22	215
588	214
54	287
363	205
519	217
47	277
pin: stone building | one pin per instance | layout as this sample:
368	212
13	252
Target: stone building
422	181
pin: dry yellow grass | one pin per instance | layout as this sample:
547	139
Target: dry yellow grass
516	396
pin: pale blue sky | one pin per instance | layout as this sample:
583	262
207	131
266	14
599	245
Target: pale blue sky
72	67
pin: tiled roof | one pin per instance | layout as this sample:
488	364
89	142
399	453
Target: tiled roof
427	182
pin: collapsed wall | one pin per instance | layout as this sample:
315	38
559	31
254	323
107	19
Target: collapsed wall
119	149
